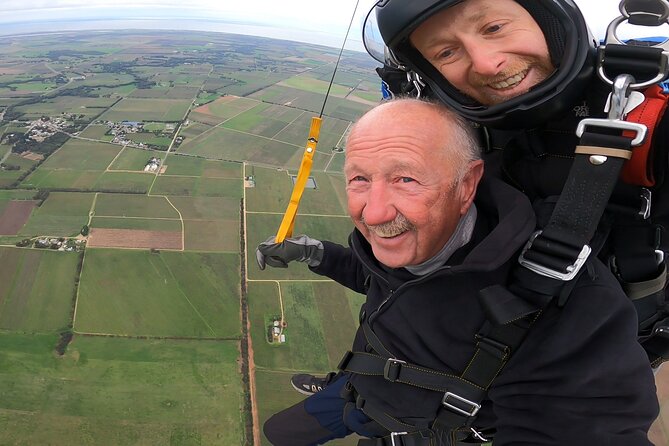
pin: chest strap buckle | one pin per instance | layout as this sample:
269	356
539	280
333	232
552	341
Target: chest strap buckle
460	405
391	371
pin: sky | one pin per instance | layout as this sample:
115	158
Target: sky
315	21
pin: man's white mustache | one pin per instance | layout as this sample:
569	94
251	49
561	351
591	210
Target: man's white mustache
392	228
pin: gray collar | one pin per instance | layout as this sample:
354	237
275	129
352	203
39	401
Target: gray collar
461	236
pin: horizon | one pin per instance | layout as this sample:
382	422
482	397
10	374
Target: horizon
295	20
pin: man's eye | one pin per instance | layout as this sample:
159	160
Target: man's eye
357	178
407	180
492	29
445	54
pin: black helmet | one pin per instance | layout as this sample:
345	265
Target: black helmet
571	45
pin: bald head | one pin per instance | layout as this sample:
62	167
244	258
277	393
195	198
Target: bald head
446	133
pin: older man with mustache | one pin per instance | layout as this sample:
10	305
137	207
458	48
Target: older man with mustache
429	235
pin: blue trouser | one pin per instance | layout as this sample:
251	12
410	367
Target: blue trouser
317	419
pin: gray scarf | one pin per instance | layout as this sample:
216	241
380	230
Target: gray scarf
461	236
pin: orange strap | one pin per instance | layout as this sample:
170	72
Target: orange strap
288	222
639	169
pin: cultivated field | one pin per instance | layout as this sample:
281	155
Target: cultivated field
36	290
62	214
119	391
139	293
127	109
14	214
135	238
134	159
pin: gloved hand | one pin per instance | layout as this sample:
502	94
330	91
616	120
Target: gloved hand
300	248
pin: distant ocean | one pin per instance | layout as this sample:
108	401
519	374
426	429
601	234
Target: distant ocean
354	42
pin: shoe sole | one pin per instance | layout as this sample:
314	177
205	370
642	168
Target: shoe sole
302	391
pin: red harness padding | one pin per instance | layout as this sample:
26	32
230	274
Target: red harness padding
639	169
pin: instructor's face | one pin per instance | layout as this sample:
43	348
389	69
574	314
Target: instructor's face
490	50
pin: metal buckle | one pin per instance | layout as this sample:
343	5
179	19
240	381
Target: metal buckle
396	365
661	331
417	82
393	435
572	269
478	435
612	37
618	102
474	407
646	203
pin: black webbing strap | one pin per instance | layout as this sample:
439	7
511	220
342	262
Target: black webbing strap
461	396
395	370
641	62
645	12
494	347
635	245
586	192
373	340
580	207
399	438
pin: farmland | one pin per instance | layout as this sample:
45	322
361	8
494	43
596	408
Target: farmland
165	158
137	336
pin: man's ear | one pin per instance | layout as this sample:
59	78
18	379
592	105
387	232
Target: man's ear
469	184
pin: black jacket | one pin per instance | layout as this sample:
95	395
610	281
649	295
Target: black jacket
579	378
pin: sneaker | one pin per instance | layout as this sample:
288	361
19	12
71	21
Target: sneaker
310	384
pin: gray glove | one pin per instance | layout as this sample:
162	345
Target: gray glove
300	248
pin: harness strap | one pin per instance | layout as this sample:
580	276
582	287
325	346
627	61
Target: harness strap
561	248
636	247
396	370
373	340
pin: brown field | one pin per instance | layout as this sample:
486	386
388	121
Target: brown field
15	215
134	238
204	109
32	156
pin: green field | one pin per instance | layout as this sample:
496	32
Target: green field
140	293
94	132
227	144
124	182
199	167
89	107
62	214
148	138
331	133
62	179
273	189
10	176
212	235
317	311
161	110
197	186
36	289
121	205
119	392
263	120
311	84
81	155
207	208
146	224
134	159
